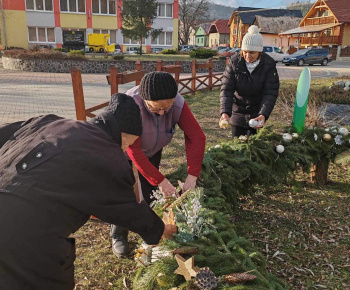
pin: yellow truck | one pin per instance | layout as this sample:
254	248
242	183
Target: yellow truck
99	43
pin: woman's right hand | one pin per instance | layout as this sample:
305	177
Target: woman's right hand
224	121
167	188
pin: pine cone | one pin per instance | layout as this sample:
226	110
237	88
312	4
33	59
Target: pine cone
205	279
237	278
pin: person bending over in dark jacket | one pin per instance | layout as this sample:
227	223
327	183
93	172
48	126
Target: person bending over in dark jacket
54	174
162	108
249	86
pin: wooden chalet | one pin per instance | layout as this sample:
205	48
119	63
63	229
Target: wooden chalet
327	24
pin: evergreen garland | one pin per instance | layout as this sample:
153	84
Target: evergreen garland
230	170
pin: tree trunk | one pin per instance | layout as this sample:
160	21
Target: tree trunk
319	172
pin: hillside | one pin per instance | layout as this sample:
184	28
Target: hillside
217	11
303	6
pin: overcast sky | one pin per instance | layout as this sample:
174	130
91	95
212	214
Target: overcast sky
256	3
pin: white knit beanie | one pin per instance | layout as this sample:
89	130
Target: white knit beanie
253	40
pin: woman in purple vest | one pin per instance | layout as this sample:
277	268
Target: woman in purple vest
162	108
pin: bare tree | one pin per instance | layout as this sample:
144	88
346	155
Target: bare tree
190	11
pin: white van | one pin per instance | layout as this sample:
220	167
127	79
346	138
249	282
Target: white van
275	52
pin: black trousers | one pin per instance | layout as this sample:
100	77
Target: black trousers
238	131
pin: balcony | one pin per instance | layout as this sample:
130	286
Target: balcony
319	20
320	40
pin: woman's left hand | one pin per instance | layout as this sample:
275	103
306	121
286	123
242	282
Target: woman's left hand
261	121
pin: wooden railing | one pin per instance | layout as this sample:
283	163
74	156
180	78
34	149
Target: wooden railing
173	69
201	82
319	20
320	40
114	79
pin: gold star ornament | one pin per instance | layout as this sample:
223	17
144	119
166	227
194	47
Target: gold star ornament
186	267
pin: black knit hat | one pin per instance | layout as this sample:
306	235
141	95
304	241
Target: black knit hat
127	113
157	85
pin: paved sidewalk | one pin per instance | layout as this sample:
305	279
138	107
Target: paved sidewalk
27	94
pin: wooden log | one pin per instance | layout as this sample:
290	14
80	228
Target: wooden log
319	172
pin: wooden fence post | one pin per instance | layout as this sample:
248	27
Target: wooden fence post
210	79
159	65
78	93
193	85
113	74
138	66
177	74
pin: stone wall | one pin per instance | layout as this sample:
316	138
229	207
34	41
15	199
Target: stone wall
92	66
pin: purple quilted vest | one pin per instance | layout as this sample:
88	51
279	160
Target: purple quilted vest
157	131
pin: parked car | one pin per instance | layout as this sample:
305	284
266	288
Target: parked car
309	56
186	47
224	49
133	50
276	53
118	49
157	49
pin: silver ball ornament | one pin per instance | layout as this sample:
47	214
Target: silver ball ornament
287	138
253	123
280	148
343	131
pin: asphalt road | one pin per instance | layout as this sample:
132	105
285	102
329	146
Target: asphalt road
27	94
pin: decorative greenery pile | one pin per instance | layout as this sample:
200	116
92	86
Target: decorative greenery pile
231	169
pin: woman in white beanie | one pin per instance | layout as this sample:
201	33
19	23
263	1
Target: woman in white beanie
250	86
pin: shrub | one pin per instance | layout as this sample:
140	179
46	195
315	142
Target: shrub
118	57
76	52
169	51
202	53
61	49
44	54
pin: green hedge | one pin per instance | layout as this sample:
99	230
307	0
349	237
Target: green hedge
202	53
169	51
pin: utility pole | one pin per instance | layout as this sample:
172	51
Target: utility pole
3	22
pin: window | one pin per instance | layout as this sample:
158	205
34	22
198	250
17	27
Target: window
165	10
112	33
41	34
39	5
72	6
164	38
127	40
104	7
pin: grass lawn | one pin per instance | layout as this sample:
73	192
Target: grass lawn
302	229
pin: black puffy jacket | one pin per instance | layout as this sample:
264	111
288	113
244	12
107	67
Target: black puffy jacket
243	95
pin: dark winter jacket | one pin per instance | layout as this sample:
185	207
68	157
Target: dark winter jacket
54	174
243	95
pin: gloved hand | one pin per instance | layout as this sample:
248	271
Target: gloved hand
190	183
167	188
